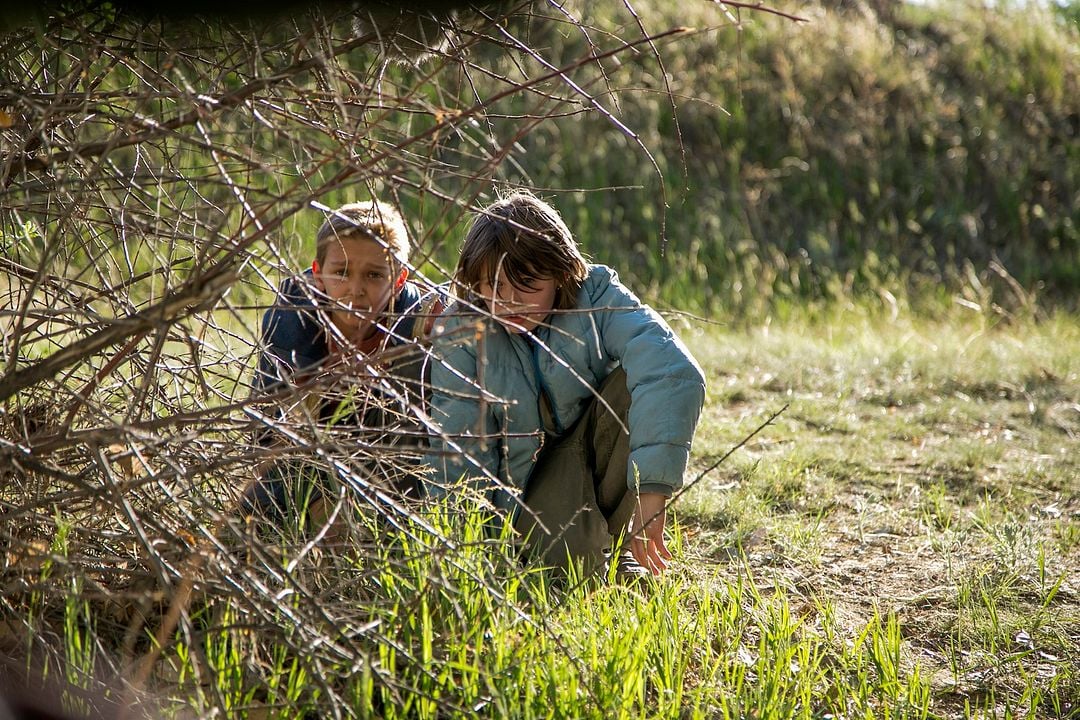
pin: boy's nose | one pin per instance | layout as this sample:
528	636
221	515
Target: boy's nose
508	297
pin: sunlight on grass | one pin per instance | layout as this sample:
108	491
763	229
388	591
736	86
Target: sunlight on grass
925	465
901	542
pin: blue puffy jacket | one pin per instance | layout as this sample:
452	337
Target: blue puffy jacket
487	385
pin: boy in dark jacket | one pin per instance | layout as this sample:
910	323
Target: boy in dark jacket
335	349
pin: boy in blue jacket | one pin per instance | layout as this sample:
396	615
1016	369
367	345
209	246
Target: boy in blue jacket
560	395
353	305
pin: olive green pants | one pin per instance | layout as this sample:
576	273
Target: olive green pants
577	497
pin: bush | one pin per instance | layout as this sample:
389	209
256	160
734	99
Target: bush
852	153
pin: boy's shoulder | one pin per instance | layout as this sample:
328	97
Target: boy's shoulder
411	294
296	292
291	322
454	314
599	273
598	283
293	339
410	303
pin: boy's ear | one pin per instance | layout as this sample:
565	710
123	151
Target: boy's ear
401	278
317	275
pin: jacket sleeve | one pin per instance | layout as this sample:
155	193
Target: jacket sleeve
291	338
289	341
666	384
465	442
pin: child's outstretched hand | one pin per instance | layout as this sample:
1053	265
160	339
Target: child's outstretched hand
647	532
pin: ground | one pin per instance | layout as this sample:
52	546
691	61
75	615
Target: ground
901	540
924	469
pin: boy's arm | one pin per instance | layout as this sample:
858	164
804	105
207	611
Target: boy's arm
666	385
464	445
291	338
667	392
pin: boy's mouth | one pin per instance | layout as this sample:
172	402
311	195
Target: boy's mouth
352	309
516	323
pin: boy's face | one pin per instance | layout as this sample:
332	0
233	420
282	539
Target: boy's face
359	276
519	309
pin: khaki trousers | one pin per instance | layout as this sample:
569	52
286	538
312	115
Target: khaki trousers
577	497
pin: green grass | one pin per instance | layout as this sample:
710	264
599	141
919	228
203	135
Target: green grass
858	196
903	542
928	469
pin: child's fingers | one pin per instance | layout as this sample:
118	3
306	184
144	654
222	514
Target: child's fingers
659	554
648	554
639	547
647	534
663	549
656	563
655	533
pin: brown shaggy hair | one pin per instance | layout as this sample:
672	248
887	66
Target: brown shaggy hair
521	238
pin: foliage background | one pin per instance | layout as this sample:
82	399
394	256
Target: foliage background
873	150
857	153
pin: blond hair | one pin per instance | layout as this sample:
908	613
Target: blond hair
373	220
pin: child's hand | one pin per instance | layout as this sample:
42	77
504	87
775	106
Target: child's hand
433	313
647	532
